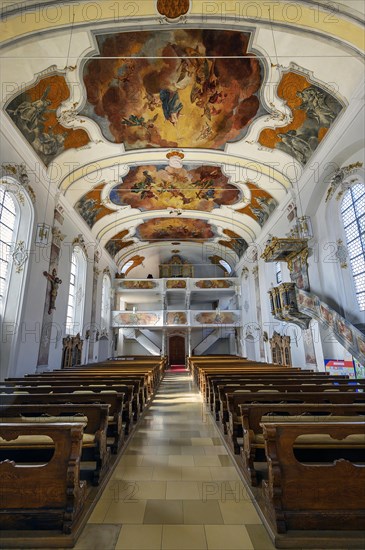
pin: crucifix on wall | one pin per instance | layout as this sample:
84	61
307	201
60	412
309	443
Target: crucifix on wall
55	283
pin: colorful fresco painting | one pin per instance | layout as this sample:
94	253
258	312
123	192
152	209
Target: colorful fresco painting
176	318
236	243
136	319
212	317
34	112
137	285
261	206
187	188
117	243
175	284
214	283
167	229
169	88
91	208
313	112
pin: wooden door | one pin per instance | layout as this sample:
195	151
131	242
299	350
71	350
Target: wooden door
177	350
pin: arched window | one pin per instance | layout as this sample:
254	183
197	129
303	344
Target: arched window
353	217
7	238
76	293
127	266
105	303
226	266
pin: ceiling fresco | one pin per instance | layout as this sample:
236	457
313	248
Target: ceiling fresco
313	112
235	243
179	107
261	206
90	206
169	229
187	188
117	243
34	112
169	88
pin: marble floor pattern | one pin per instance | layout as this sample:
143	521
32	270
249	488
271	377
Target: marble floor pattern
175	487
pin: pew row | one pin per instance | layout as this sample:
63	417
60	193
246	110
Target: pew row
253	415
94	440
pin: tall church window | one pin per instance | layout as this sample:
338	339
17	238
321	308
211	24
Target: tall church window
76	293
7	234
105	303
278	273
353	217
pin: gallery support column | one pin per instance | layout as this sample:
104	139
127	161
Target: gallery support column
92	356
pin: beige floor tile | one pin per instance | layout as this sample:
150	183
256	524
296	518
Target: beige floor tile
201	441
139	537
130	460
215	450
220	490
97	537
126	512
183	537
198	512
259	537
154	460
130	473
179	460
224	473
169	450
184	490
164	512
99	512
207	461
196	474
228	537
225	460
145	450
238	512
145	490
167	473
192	450
120	490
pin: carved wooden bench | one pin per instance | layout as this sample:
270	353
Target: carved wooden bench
114	400
234	425
93	415
302	496
50	496
253	414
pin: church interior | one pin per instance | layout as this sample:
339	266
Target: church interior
182	274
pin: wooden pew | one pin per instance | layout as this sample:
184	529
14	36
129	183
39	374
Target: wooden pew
234	427
94	417
302	496
217	400
114	400
131	399
253	414
50	496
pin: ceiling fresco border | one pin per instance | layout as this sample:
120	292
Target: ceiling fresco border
348	34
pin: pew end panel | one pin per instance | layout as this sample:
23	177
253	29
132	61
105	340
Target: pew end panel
47	497
310	496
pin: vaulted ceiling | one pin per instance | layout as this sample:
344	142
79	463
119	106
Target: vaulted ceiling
174	128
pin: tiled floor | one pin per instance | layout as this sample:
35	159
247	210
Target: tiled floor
175	486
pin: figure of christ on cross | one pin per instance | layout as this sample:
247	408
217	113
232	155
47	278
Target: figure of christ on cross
55	283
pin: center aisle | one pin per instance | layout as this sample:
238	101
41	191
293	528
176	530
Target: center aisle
175	486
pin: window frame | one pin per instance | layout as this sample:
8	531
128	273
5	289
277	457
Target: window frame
105	288
76	326
359	236
14	236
